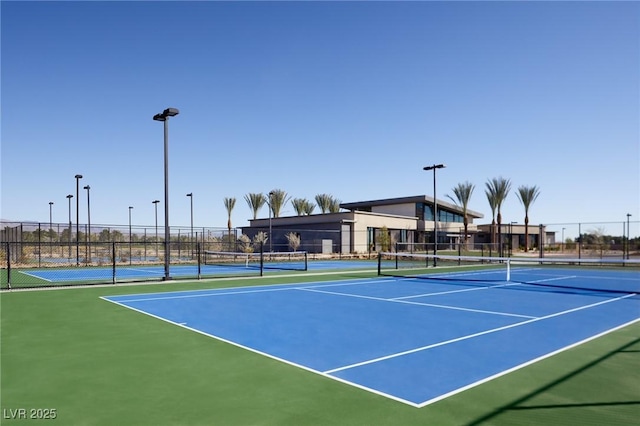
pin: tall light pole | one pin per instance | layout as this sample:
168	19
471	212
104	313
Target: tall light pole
69	197
269	203
88	236
628	236
190	195
435	210
562	242
51	227
155	203
78	177
164	117
130	253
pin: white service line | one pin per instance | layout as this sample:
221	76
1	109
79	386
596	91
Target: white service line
431	305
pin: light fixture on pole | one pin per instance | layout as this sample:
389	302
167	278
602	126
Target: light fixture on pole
130	253
164	117
78	177
69	197
51	227
190	195
435	210
88	236
155	203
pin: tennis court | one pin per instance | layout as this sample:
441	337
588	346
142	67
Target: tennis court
151	272
413	340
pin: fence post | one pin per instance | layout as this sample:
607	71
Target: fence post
9	266
39	246
198	255
261	258
541	240
113	262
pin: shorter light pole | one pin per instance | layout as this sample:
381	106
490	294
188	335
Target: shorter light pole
562	242
435	210
78	177
88	224
51	227
130	252
628	236
69	197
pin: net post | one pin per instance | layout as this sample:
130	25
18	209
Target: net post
380	263
113	262
198	257
509	269
261	258
306	261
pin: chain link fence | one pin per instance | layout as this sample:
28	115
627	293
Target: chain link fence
27	249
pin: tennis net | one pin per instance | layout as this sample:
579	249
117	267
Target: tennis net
608	275
225	258
295	261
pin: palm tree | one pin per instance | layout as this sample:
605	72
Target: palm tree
463	194
527	195
278	198
493	204
324	202
308	208
299	205
334	206
229	204
255	202
499	188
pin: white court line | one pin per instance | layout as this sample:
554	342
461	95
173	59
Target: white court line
549	279
234	290
431	305
141	270
470	336
34	276
452	291
589	277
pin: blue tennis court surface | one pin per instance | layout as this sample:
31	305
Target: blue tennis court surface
413	340
134	272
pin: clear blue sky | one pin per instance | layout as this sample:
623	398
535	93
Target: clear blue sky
347	98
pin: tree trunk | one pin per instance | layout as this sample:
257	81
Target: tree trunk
500	233
466	225
493	231
526	233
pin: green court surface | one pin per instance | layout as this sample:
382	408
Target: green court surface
95	363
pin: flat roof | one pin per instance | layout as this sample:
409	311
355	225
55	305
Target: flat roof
412	199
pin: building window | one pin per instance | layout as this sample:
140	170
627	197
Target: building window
425	212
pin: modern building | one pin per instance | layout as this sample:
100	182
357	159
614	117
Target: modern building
368	226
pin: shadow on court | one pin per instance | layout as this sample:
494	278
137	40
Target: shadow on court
603	391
